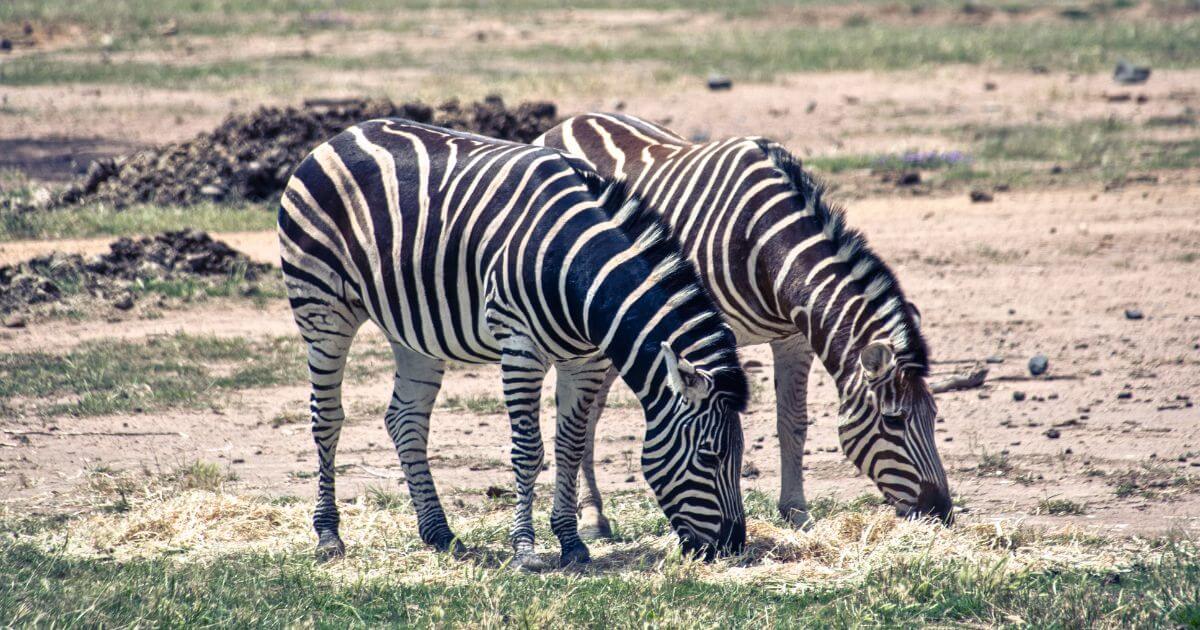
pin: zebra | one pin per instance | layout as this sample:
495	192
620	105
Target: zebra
464	248
786	270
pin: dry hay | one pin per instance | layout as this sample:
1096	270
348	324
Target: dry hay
845	548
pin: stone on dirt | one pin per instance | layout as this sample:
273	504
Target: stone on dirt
1039	364
719	82
1133	313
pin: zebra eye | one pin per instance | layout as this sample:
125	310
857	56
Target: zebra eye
893	419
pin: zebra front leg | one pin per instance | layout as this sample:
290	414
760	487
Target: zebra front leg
592	521
578	384
417	382
793	361
523	369
326	366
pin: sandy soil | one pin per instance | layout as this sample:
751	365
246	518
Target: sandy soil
1047	272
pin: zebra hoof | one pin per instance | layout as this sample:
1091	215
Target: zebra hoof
330	547
529	562
595	528
574	555
799	518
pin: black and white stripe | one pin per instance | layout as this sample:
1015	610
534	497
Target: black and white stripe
469	249
785	269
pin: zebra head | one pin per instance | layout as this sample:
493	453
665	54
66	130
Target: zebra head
694	465
886	428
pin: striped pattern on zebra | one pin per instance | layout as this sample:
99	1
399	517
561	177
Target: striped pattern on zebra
465	248
785	269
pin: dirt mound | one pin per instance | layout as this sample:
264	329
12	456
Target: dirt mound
250	156
165	257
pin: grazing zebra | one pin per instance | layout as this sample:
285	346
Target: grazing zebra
469	249
785	269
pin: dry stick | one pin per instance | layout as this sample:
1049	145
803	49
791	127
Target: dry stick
1058	377
95	433
965	381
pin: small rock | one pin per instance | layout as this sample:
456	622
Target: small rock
1129	74
1018	396
995	358
910	178
750	471
1053	434
700	136
630	479
1133	313
496	492
15	321
1124	395
5	44
1056	170
719	82
124	303
752	364
1039	364
212	191
989	86
980	196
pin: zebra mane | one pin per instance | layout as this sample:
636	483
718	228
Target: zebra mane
875	278
661	250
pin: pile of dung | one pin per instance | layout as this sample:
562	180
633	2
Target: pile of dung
250	156
111	276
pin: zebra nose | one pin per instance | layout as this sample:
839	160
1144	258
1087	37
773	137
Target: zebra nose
934	500
733	536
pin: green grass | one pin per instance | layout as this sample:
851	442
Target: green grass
101	220
475	403
1060	507
102	377
757	53
198	558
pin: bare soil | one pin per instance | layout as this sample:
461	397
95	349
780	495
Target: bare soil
1050	272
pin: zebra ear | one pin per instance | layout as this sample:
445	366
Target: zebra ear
914	312
682	377
877	358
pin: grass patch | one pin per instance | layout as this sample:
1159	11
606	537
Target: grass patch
475	403
102	377
1060	507
759	53
203	558
1153	482
102	220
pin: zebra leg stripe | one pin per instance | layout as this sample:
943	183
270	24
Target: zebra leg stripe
522	371
418	380
593	522
578	384
326	365
793	362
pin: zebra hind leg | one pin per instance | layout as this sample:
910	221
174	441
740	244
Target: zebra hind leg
327	351
417	382
578	384
593	524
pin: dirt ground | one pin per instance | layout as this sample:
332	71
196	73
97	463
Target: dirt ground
1049	272
1111	429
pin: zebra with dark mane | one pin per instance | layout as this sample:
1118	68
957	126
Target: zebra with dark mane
785	269
463	248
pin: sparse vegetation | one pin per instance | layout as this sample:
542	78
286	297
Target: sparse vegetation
99	220
202	557
100	377
1154	482
474	403
1060	507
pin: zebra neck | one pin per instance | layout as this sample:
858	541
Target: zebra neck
839	319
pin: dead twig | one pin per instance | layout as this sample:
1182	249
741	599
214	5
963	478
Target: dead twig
971	380
1021	379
